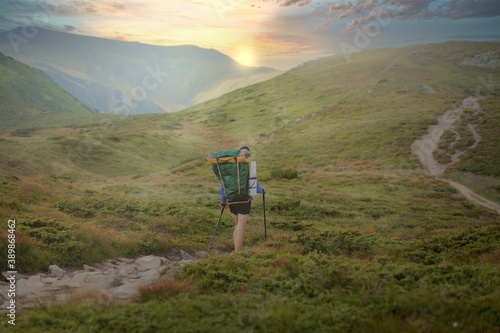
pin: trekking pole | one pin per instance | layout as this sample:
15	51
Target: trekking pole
218	221
264	206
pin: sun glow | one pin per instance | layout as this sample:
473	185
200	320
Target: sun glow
245	57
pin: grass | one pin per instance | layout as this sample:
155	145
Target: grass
342	252
293	294
359	238
26	93
477	162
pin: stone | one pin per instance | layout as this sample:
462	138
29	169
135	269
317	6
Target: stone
56	271
49	280
7	275
4	289
150	276
128	289
164	260
128	270
125	260
108	264
119	278
186	256
110	271
171	273
5	304
90	280
149	262
32	285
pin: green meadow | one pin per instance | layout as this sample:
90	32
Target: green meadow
359	237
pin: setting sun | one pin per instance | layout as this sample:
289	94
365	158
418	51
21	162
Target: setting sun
245	57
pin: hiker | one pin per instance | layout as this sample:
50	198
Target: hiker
239	203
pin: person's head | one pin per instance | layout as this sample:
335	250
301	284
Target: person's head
245	151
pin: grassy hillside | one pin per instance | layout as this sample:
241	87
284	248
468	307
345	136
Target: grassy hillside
26	94
369	110
360	239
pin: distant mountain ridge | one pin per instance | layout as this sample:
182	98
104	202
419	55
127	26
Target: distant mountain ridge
129	77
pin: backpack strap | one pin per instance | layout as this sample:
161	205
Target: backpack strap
239	185
221	182
238	175
227	159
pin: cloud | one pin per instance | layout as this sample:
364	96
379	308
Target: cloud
56	14
361	13
455	10
299	3
60	8
287	3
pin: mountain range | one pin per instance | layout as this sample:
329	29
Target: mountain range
128	77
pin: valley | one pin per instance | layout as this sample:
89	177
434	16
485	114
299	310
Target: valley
124	78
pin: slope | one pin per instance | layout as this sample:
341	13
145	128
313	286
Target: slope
362	114
26	96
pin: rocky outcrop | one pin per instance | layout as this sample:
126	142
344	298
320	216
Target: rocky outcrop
488	59
116	280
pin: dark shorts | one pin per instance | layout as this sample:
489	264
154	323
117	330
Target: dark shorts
240	208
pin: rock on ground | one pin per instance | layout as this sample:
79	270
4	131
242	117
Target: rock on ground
114	280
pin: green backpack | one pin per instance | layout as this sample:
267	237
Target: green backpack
232	171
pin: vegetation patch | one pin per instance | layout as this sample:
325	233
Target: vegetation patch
284	173
482	159
350	243
461	248
23	132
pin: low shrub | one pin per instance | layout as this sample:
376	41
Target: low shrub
165	289
278	173
23	132
31	256
219	274
344	242
463	247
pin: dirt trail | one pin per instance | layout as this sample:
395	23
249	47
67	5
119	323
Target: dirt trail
425	146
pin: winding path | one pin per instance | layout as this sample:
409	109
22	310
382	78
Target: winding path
425	146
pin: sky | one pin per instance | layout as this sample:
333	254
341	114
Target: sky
275	33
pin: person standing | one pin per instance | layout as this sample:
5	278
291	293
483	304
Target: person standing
239	205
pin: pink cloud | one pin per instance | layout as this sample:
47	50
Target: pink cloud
362	12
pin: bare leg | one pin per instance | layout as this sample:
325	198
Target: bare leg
239	232
235	219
